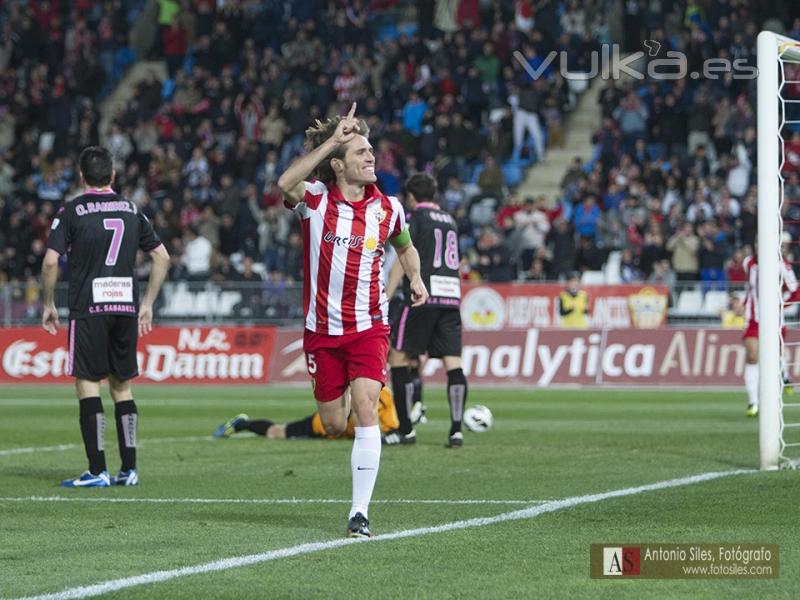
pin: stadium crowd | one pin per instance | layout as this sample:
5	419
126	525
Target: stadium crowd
670	186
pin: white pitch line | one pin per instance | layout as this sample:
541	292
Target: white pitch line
59	448
63	447
258	500
235	562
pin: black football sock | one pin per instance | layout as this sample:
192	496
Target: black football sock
403	389
415	379
258	427
300	429
127	418
93	428
457	396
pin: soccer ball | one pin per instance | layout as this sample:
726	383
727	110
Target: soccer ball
478	418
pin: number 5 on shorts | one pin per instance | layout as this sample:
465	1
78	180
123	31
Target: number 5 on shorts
311	364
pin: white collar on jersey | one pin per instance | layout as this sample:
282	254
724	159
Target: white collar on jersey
97	191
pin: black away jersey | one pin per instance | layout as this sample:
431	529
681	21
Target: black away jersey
100	234
435	236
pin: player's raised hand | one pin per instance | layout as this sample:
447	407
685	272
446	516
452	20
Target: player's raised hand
145	319
50	319
347	128
419	294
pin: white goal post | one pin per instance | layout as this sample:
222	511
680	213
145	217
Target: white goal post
773	52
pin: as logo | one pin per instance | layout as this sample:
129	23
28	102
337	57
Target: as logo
483	309
648	308
621	561
378	214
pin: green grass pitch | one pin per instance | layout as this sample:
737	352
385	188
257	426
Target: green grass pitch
545	445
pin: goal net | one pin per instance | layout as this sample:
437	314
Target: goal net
778	159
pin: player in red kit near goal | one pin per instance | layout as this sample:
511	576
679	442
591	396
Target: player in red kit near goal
346	222
790	293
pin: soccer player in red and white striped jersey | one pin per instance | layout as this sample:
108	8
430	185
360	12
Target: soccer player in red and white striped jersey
789	292
346	222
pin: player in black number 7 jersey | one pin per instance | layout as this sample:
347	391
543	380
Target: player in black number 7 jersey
434	328
101	232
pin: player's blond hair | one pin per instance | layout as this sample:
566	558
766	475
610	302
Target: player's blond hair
321	131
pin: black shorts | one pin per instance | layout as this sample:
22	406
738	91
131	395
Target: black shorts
430	329
101	346
396	305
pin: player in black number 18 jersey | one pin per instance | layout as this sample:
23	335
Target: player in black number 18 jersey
101	232
434	328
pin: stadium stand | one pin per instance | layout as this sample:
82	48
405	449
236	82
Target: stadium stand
200	151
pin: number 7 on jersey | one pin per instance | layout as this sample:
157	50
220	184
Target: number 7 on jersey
118	227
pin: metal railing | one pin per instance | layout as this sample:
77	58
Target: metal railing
703	302
204	301
281	303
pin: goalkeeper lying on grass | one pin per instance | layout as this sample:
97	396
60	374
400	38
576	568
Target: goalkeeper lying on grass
311	426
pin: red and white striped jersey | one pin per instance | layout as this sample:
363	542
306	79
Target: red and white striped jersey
789	291
343	287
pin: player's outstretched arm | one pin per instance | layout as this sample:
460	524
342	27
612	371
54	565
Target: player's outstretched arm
49	278
408	257
158	273
291	181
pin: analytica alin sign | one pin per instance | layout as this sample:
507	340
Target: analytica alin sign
543	357
596	357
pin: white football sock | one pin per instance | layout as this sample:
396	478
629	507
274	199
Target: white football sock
751	383
364	462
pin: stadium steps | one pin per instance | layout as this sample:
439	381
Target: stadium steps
544	178
125	90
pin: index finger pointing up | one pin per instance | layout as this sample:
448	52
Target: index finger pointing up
352	112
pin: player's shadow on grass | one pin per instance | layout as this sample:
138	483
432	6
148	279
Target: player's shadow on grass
50	475
721	461
250	515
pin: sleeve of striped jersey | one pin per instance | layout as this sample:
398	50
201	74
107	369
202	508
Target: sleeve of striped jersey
400	220
315	190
